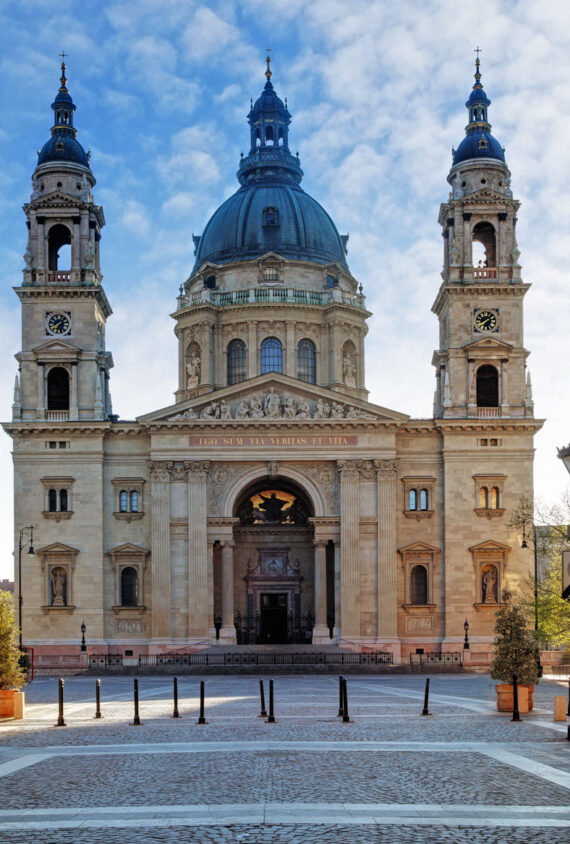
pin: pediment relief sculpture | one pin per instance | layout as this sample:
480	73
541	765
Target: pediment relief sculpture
273	405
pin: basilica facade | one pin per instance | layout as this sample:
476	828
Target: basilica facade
271	503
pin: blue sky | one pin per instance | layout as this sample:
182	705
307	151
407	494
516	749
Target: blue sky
377	92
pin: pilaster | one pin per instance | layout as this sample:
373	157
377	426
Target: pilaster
349	543
160	546
198	600
387	584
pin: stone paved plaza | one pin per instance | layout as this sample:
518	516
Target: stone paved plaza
464	774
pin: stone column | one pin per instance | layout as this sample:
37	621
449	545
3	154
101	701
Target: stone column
197	549
41	408
228	631
349	543
74	400
505	409
291	352
76	244
40	258
252	350
160	549
471	397
337	602
320	630
211	625
387	628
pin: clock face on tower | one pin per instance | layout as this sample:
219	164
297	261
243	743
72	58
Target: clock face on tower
58	324
486	321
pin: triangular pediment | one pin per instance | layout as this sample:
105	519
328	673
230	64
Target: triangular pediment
418	547
57	548
270	256
127	548
58	198
490	545
488	344
274	398
56	350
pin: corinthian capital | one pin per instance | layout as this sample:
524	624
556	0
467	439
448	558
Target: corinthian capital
161	470
198	469
386	469
348	470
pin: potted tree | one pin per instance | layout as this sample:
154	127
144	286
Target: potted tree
516	655
12	675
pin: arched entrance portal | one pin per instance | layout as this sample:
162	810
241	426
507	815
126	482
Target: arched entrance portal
273	565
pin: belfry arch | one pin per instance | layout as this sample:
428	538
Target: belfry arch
274	582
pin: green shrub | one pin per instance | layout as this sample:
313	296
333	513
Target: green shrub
11	674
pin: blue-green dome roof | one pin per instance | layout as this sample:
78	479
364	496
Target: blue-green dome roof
299	228
478	141
63	145
270	212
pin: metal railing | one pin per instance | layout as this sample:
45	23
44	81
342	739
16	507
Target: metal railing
437	658
264	658
105	660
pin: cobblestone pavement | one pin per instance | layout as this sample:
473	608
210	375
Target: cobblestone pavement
464	774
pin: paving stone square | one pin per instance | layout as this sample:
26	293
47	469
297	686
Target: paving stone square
465	773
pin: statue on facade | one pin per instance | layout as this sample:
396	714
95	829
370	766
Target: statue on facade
322	410
272	508
211	411
349	370
193	370
90	256
303	410
256	408
289	407
58	587
489	586
28	258
242	411
225	410
337	410
272	404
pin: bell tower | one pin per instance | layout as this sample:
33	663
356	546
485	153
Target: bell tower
481	360
63	365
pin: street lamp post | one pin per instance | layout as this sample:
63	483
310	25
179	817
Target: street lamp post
466	642
83	629
31	552
524	544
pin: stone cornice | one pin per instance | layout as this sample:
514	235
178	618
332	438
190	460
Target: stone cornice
499	426
62	291
478	288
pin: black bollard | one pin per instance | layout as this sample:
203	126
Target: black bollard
60	721
271	716
340	700
136	720
568	710
516	715
568	734
176	714
345	717
263	713
98	699
425	710
201	718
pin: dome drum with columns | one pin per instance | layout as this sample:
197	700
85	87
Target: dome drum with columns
271	503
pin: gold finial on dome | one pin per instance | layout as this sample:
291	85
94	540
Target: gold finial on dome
268	73
63	79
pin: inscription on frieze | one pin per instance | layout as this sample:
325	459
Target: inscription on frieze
243	441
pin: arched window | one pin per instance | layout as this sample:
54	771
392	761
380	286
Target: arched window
487	386
123	501
134	501
271	355
63	500
269	137
58	389
484	498
306	361
236	362
52	500
413	500
423	499
418	585
59	236
129	596
494	502
484	233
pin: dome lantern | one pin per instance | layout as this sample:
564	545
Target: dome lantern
63	145
478	141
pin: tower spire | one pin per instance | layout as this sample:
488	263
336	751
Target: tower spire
268	73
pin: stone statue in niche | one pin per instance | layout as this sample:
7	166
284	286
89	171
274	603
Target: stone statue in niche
193	370
489	585
58	577
28	258
349	369
90	256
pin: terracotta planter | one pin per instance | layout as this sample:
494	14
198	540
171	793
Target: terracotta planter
505	697
11	703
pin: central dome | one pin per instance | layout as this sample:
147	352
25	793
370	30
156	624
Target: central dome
270	212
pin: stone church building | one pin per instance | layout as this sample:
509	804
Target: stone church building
272	502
